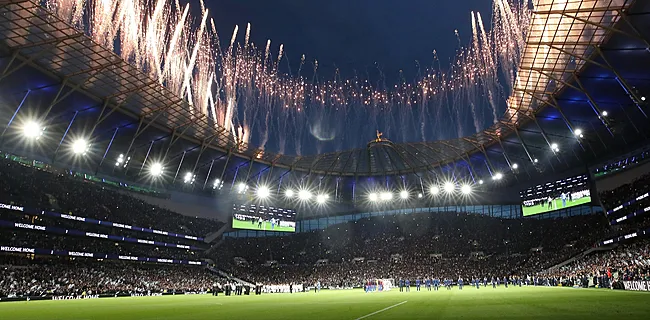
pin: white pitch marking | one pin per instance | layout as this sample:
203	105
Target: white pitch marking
382	310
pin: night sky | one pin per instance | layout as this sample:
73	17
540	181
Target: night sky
354	35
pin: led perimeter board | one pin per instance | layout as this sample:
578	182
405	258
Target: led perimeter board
263	218
550	196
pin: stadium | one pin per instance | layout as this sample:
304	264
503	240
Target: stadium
157	166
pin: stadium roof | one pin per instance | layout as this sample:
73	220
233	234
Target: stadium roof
582	60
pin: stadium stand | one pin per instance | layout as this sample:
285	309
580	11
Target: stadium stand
413	246
39	277
32	187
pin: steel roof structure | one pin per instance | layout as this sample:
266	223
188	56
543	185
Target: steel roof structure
582	59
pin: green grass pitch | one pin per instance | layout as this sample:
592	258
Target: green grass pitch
485	303
266	226
557	204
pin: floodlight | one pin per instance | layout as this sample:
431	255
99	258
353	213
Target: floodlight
385	196
32	130
555	147
321	198
156	169
404	194
449	187
642	98
497	176
419	195
480	181
263	192
304	194
373	197
466	189
515	166
288	193
217	184
434	190
535	160
604	113
577	132
189	177
241	187
80	146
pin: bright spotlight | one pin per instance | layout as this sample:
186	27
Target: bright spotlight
80	146
515	166
241	187
217	184
404	194
263	192
449	187
156	169
480	181
577	132
304	194
434	190
321	198
535	160
497	176
420	195
555	147
604	113
373	197
642	98
32	130
385	196
288	193
188	178
466	189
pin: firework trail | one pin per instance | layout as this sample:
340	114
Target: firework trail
242	89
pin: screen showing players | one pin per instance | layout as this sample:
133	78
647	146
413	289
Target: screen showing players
555	195
263	218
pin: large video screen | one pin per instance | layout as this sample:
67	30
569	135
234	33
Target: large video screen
555	195
263	218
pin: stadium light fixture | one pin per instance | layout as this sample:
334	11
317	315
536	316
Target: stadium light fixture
404	194
385	196
555	147
80	146
480	181
156	169
420	195
497	176
466	189
515	166
373	196
241	187
288	193
217	184
304	195
434	190
188	178
604	113
263	192
32	130
535	160
321	198
449	187
642	98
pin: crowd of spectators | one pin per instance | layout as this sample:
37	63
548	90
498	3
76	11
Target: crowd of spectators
627	262
61	277
412	246
611	199
61	192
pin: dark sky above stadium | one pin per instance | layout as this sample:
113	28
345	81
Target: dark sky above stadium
354	34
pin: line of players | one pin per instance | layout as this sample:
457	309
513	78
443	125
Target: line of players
435	284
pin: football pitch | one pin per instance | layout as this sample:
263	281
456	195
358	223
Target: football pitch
266	226
470	303
557	204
